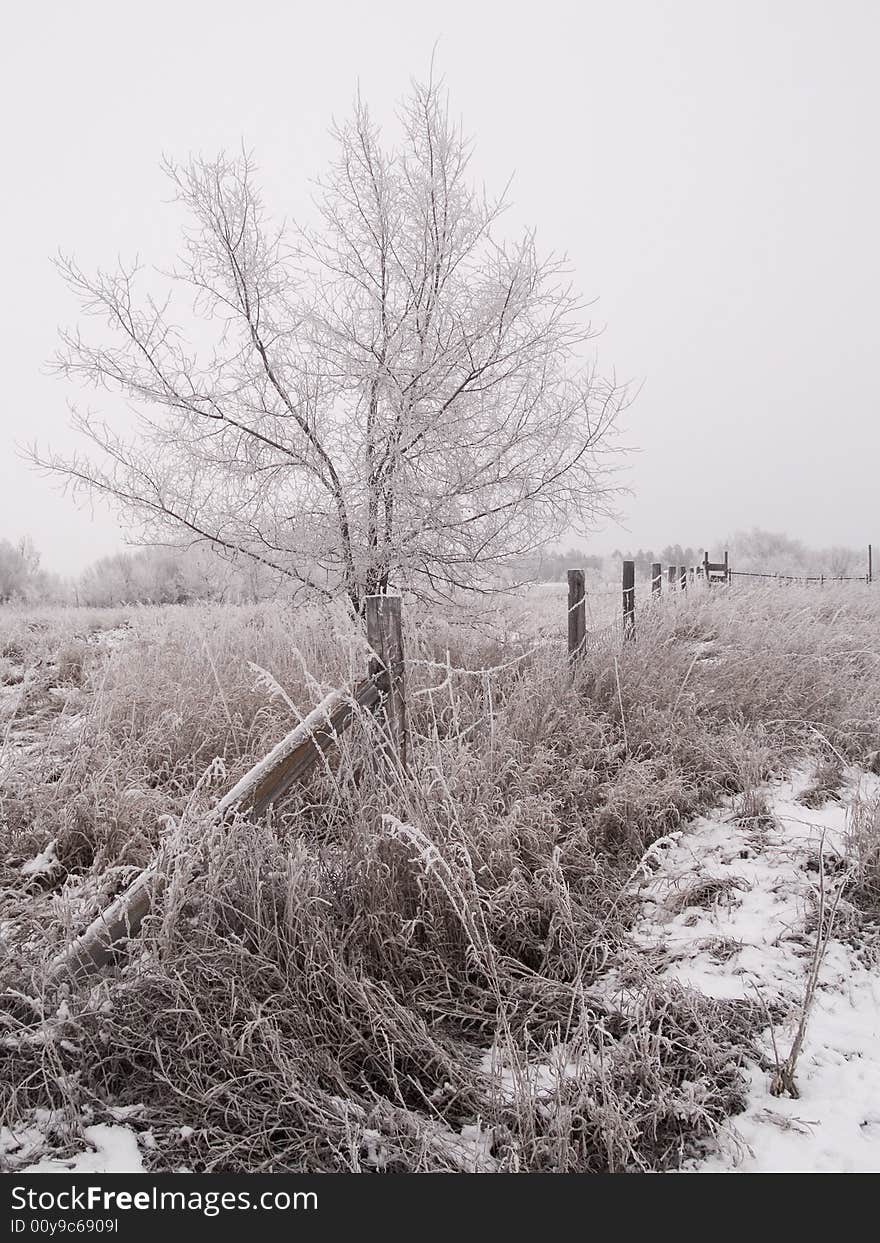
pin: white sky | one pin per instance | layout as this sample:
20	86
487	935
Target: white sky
710	166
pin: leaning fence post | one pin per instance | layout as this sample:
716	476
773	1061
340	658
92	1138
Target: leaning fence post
656	578
385	637
577	613
629	599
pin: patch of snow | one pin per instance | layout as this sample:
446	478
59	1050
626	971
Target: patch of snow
375	1151
113	637
471	1149
835	1125
731	912
536	1079
20	1144
114	1151
43	864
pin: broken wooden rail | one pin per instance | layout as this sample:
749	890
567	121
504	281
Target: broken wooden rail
267	782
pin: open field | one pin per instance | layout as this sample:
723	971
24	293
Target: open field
568	939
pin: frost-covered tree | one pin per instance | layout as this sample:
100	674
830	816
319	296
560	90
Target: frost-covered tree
768	552
394	395
167	576
773	552
841	561
14	573
20	575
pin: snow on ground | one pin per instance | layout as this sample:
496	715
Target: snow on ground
110	1150
114	1151
43	864
731	912
538	1079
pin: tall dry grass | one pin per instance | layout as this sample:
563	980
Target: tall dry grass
399	972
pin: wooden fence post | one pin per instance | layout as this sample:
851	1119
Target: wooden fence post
577	613
706	569
656	578
683	577
629	599
692	574
870	566
726	568
385	637
671	576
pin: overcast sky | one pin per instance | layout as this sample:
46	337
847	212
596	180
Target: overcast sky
710	167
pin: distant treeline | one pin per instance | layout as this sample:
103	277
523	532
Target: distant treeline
142	576
755	550
775	553
550	567
162	575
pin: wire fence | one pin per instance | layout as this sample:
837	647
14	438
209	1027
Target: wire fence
802	578
806	577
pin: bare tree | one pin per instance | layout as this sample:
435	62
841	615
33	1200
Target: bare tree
20	575
841	560
392	396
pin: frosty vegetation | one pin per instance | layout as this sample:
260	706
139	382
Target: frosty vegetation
399	394
487	963
610	909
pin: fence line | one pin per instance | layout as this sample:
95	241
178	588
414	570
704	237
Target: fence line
383	691
678	578
803	578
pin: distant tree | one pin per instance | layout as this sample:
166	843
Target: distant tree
169	575
773	552
769	552
840	561
397	396
13	572
642	559
21	577
147	576
552	566
675	554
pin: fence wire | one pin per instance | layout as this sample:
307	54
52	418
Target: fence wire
801	578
